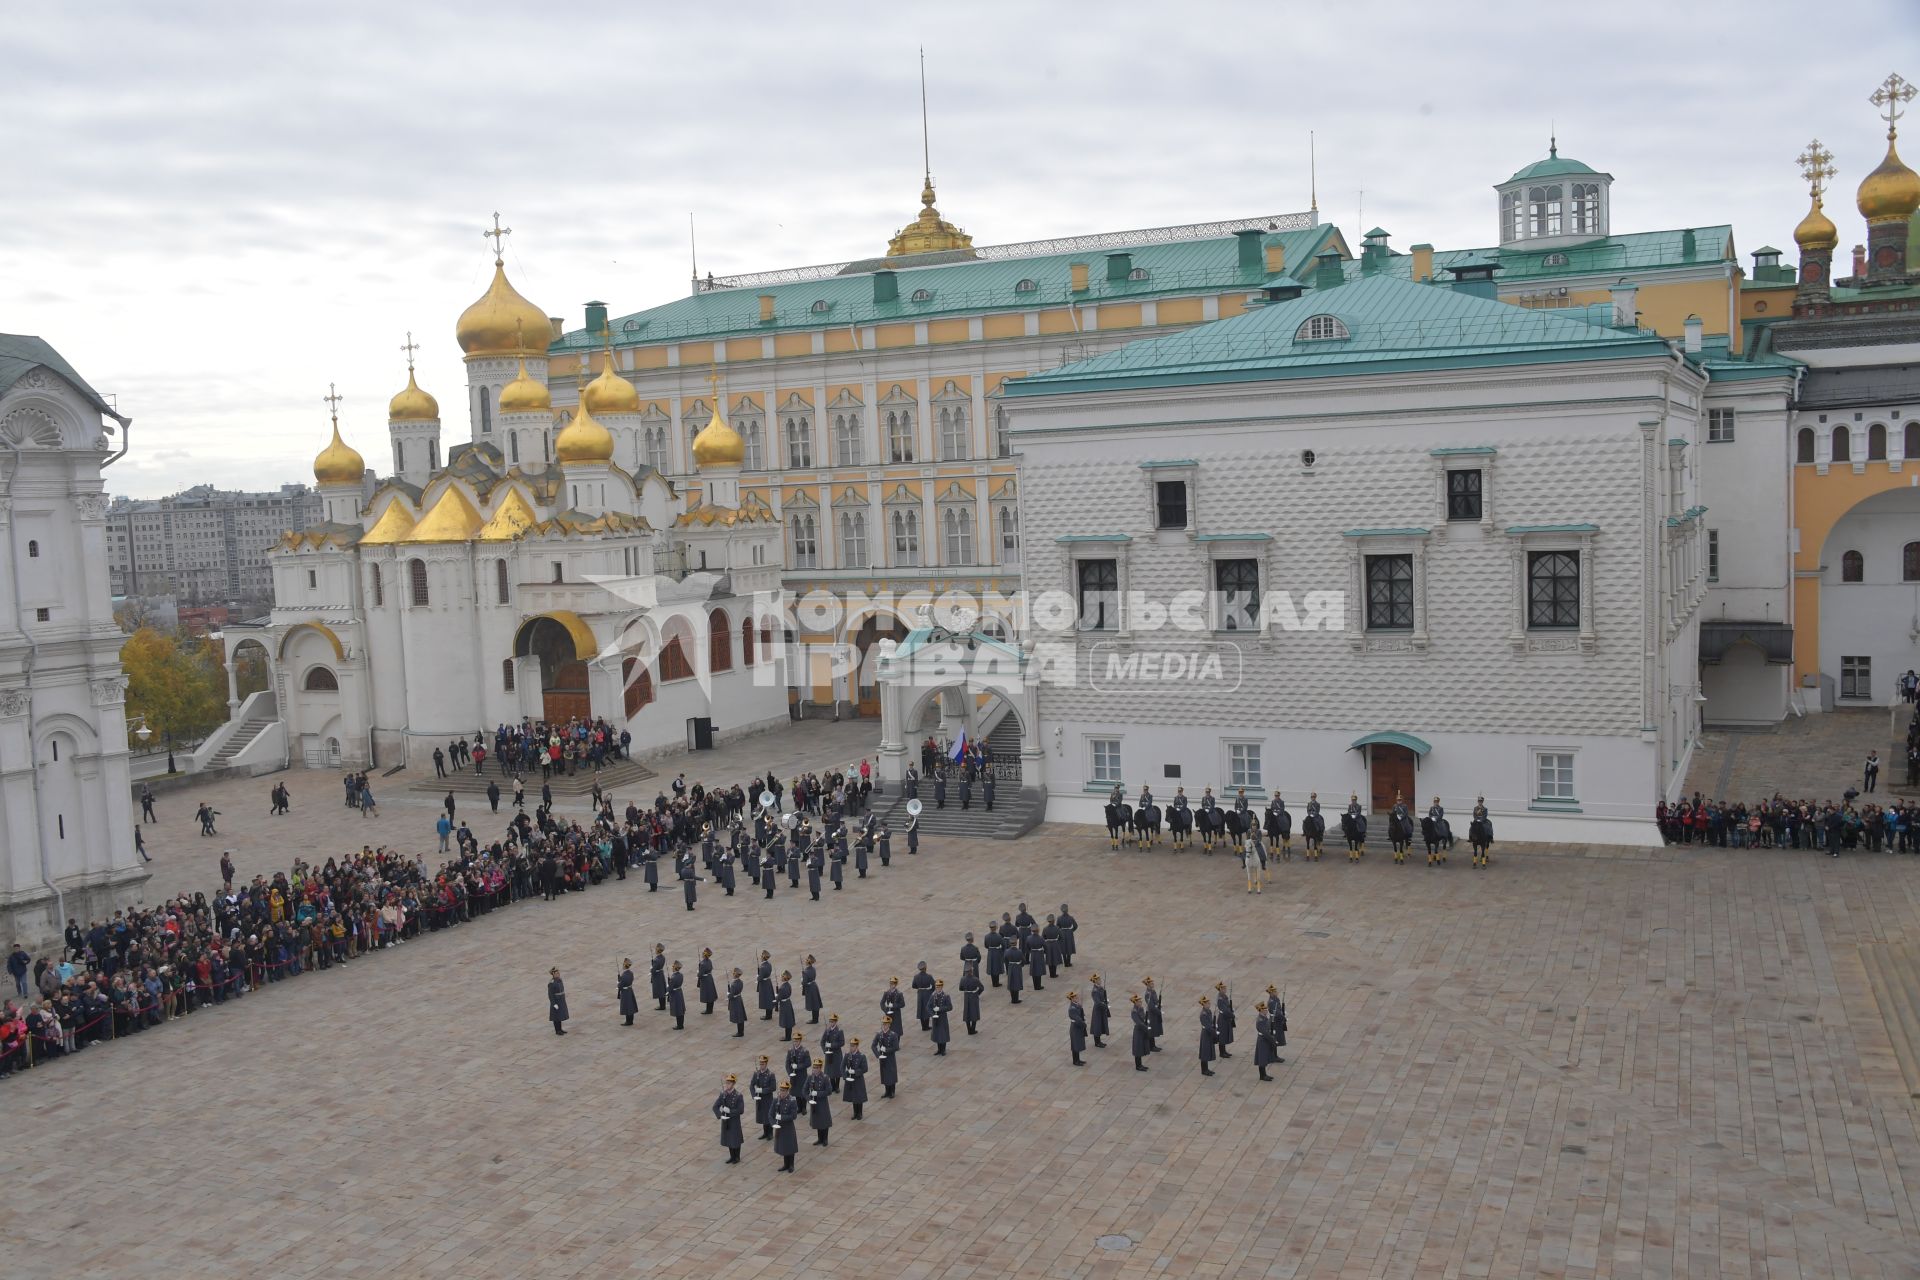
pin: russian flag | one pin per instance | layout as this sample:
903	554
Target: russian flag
959	746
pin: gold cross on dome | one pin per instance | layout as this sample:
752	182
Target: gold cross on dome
713	380
1816	165
409	346
495	234
333	399
1892	92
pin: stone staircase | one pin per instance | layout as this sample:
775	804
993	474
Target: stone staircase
1893	972
1016	811
1004	740
241	738
624	780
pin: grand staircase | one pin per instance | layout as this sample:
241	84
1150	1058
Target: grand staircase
241	738
1016	811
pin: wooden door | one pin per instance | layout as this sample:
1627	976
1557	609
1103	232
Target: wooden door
1392	774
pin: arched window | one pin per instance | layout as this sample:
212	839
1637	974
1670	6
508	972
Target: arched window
33	549
657	449
1877	442
513	448
746	642
900	435
1853	567
821	306
674	663
846	439
1543	210
766	641
799	442
1009	536
953	433
1513	216
1321	329
755	438
853	539
806	542
1138	273
373	581
906	538
956	531
1803	448
506	674
1910	562
500	579
719	641
321	680
1029	285
1003	443
1586	208
417	575
1913	440
1842	445
922	295
486	409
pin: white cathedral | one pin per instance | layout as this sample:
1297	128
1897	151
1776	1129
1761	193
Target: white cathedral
540	572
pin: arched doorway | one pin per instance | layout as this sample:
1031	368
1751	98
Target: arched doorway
866	698
1392	761
564	693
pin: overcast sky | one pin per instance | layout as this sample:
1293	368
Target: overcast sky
215	209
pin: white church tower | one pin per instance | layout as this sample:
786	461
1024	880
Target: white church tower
66	806
497	331
413	424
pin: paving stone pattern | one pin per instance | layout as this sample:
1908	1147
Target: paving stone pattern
1580	1063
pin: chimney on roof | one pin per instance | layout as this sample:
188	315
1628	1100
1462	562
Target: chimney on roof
1374	252
596	318
1327	272
1475	277
1859	261
1285	289
1624	313
1276	259
1248	248
558	326
1119	265
886	286
1422	263
766	308
1078	273
1693	328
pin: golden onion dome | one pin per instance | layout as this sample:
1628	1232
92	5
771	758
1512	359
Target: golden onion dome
1890	193
610	393
718	445
524	395
583	439
502	323
338	463
1816	230
412	404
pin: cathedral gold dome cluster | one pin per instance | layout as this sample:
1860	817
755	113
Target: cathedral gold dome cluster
1891	192
1816	230
610	393
524	395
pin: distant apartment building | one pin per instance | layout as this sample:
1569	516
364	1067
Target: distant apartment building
203	544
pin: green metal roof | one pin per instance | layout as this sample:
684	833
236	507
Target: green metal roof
1759	360
21	352
1554	166
1393	738
1391	323
967	287
1613	256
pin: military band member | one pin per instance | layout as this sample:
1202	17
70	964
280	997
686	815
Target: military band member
833	1045
819	1102
922	985
1180	817
703	979
783	1004
798	1059
886	1048
556	1001
816	863
1076	1027
912	782
1101	1023
1353	825
810	990
853	1078
786	1114
1223	1018
892	1002
728	1108
737	1005
797	854
970	988
1016	954
1036	948
1480	833
770	869
1400	829
762	1086
940	789
913	837
969	953
689	878
1207	1038
1142	1042
623	988
940	1014
1156	1023
1314	829
996	954
763	987
860	855
1068	928
677	997
657	975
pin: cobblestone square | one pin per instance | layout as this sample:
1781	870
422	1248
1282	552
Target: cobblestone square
1579	1063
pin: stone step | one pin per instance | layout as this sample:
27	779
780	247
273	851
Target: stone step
1015	812
242	738
1893	974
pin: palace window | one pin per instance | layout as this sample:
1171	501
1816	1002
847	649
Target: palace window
1009	522
1853	567
417	574
1513	216
657	448
1105	757
1910	562
1236	585
1586	208
1713	555
1543	210
1243	764
1003	442
1842	444
1321	329
1553	776
755	438
313	579
719	641
922	295
846	440
674	663
500	580
506	674
1720	426
799	442
1029	285
1913	440
900	435
1856	677
373	581
953	433
1553	589
806	542
1097	585
1877	443
1170	504
1390	593
1803	445
746	642
321	680
820	306
1463	494
906	538
637	682
853	540
956	530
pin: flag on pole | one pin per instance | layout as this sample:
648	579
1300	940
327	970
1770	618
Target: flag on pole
959	746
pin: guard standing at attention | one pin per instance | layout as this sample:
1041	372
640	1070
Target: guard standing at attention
783	1000
677	997
737	1005
703	979
1208	1041
970	989
1142	1042
623	988
761	1085
819	1102
657	975
556	1001
1223	1018
833	1042
786	1113
886	1047
810	990
853	1078
727	1108
1076	1027
892	1002
940	1011
1101	1024
923	996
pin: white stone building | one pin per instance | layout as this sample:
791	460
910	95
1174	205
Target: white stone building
66	813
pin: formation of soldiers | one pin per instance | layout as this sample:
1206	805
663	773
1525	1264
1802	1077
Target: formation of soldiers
1259	840
1218	1025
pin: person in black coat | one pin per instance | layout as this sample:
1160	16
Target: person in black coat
969	954
624	989
853	1078
1068	928
940	1013
798	1060
970	988
763	987
1264	1053
1036	951
556	1001
819	1102
893	1003
810	990
657	975
650	869
940	789
703	978
1076	1027
728	1108
996	954
737	1005
1142	1042
783	1002
763	1085
1101	1023
1016	968
833	1046
816	862
1050	938
913	837
886	1048
770	869
786	1116
677	997
1208	1042
923	996
689	877
1156	1023
1223	1019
